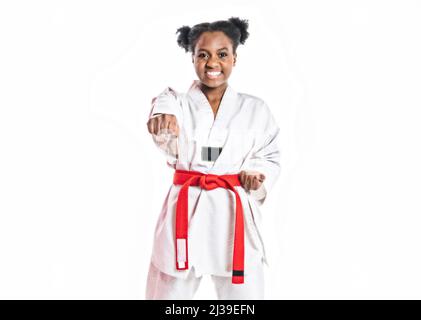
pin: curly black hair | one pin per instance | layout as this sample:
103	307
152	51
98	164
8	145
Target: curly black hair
234	28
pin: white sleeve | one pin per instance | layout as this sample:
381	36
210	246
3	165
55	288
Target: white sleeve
167	102
265	157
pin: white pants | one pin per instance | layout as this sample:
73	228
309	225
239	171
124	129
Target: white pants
161	286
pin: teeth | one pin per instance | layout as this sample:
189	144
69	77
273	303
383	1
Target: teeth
214	73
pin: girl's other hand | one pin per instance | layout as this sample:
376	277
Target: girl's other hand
251	180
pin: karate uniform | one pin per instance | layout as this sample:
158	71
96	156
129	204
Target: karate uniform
247	132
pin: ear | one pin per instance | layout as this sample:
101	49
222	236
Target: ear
235	59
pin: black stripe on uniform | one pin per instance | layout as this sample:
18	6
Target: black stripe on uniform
238	273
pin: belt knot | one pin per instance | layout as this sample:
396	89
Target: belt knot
209	182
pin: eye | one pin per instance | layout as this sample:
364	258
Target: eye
201	55
224	54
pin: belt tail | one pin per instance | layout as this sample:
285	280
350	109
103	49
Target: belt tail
181	228
238	254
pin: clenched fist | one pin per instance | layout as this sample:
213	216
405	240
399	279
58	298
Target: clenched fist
251	180
163	122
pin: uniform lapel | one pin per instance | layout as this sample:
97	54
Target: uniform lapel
227	108
217	130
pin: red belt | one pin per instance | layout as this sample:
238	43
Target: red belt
207	182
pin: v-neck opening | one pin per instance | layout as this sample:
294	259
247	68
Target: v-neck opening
229	95
215	115
214	124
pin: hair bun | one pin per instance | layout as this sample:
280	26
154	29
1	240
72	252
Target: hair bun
183	37
242	25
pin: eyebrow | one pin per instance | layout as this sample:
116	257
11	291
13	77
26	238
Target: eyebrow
201	49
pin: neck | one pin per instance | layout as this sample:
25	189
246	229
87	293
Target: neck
213	93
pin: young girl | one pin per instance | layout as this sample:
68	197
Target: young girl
223	146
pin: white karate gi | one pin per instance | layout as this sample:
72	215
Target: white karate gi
247	131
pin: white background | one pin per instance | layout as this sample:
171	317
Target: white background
82	184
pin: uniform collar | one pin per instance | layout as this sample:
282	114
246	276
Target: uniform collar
230	96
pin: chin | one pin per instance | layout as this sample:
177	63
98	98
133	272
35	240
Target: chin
212	84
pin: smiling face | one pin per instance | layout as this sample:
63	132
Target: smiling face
213	59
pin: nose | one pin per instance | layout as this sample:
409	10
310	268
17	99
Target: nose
211	63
